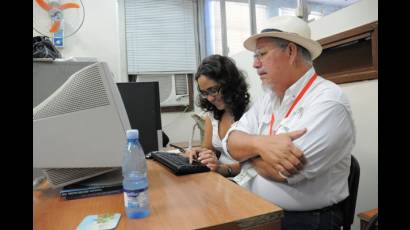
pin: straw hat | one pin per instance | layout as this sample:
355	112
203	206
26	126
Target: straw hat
290	28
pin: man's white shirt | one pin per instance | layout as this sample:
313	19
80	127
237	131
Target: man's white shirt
325	111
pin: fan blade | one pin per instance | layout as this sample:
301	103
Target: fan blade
69	5
55	26
43	5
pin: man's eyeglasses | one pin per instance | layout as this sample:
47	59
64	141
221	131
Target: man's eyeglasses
260	54
213	91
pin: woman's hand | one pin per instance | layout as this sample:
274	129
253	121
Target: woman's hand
193	153
208	158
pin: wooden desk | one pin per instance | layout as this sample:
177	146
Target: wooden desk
196	201
195	143
366	216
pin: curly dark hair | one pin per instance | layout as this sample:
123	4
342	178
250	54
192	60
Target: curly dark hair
232	82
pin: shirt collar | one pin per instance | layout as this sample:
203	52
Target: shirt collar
294	89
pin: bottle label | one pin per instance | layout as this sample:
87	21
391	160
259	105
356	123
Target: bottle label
136	198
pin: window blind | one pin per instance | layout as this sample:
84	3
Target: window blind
160	36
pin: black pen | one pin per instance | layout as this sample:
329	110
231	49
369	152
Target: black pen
182	150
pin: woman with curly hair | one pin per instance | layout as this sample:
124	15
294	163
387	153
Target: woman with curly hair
223	94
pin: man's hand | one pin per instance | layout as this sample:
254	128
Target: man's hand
279	152
265	170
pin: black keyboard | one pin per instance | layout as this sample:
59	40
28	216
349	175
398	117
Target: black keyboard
178	164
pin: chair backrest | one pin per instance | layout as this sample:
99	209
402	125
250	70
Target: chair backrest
200	123
349	204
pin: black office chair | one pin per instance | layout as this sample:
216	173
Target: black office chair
348	205
165	139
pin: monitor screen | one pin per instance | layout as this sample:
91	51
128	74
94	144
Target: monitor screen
82	124
141	101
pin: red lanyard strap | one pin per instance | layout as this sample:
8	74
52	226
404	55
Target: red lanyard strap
272	120
300	95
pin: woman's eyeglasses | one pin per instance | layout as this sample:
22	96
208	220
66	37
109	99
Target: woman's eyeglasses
213	91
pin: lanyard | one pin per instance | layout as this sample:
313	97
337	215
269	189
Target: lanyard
300	95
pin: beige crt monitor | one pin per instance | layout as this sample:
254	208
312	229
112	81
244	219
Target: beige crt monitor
79	130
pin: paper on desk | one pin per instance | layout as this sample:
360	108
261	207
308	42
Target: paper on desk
172	151
100	222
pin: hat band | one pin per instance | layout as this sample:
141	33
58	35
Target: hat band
270	30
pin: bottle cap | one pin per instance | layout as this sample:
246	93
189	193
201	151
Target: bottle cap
132	134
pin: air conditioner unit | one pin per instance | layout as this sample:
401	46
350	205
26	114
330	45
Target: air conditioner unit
173	88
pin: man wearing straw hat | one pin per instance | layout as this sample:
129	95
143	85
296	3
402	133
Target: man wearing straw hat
297	138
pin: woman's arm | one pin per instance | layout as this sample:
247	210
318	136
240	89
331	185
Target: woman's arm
229	170
206	143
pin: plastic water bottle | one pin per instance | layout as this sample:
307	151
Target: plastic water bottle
135	183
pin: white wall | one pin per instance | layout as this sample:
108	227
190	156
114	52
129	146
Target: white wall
98	37
360	13
363	98
178	126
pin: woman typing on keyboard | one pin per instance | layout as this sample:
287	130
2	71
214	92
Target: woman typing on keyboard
223	95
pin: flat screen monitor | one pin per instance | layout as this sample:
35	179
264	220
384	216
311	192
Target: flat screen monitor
141	101
81	125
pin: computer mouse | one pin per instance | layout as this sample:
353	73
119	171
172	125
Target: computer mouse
148	155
